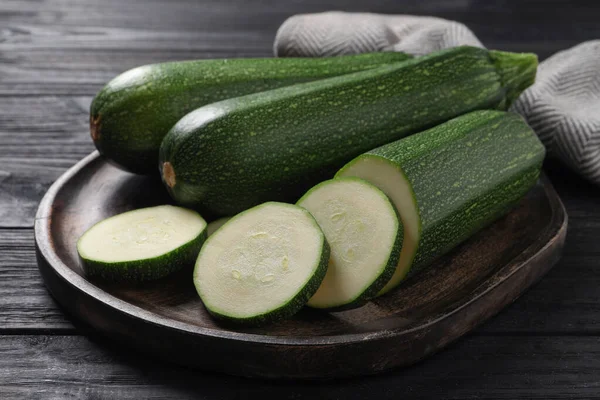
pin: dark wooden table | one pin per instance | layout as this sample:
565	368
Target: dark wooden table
56	54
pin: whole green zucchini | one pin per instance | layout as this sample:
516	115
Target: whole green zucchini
452	180
231	155
130	116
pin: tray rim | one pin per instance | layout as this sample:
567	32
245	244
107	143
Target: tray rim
43	241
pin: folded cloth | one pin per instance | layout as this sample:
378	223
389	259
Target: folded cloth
563	106
335	33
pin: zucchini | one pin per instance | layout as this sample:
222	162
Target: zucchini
143	244
262	265
452	180
130	116
275	145
365	234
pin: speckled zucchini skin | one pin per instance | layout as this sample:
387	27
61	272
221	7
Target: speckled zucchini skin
130	116
148	269
464	175
231	155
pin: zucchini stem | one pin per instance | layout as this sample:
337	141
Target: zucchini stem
517	72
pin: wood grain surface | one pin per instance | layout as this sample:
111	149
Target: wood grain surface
508	367
56	54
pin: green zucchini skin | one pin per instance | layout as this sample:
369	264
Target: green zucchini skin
463	174
275	145
130	116
145	270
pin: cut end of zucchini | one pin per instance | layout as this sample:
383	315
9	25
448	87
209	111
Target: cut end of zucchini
262	265
392	181
142	244
362	227
168	174
95	127
517	72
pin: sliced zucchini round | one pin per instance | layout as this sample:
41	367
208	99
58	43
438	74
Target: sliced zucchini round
141	245
262	265
389	178
365	234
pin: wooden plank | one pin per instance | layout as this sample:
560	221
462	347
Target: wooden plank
42	367
83	72
511	17
25	304
39	37
80	60
40	138
31	126
46	49
23	182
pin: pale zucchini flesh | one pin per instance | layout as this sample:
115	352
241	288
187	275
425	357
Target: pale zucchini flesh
364	232
452	180
142	244
262	265
390	179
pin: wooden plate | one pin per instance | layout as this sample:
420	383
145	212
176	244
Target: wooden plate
167	318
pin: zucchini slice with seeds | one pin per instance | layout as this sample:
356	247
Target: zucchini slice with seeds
365	234
144	244
262	265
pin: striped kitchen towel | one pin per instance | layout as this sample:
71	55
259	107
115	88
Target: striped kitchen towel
563	106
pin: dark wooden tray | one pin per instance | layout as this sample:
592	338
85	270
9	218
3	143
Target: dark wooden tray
166	318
